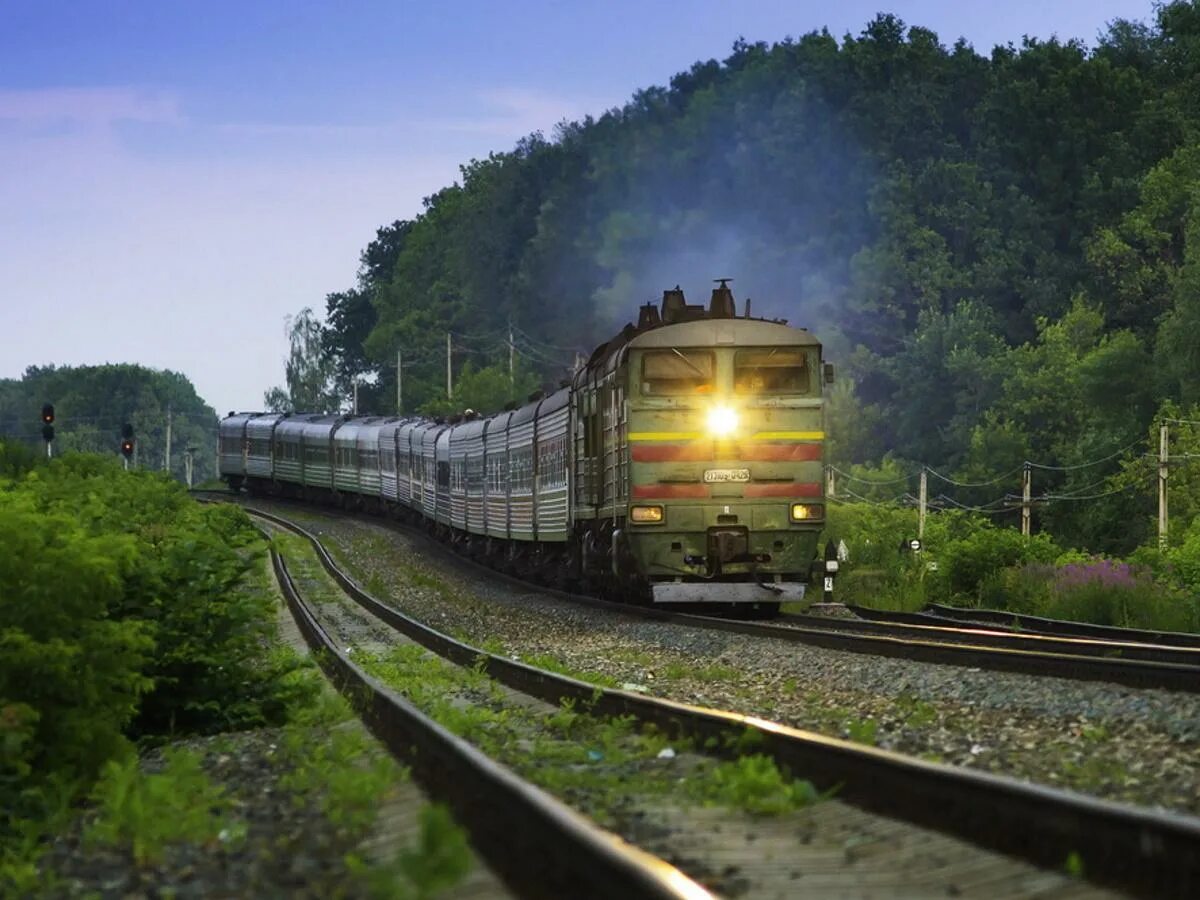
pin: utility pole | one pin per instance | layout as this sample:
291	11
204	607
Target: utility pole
449	381
167	452
922	503
830	483
355	402
1163	459
399	382
511	354
187	465
1026	497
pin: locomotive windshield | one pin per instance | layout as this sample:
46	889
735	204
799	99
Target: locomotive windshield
678	372
775	370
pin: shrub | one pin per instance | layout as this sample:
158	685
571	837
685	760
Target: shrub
967	565
1120	594
126	610
194	585
970	553
1096	590
61	652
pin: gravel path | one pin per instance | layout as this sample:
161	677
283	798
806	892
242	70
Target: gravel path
1141	746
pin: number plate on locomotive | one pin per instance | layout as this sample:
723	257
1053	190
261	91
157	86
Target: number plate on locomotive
723	476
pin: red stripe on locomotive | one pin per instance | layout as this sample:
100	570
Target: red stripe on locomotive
781	452
698	452
704	451
669	491
783	490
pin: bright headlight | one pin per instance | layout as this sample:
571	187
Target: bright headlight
722	421
802	512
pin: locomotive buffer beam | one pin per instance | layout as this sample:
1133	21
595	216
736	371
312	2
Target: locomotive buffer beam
728	592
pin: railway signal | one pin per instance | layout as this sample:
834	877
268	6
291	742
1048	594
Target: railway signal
127	443
48	425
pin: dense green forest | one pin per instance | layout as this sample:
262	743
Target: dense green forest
91	403
1000	250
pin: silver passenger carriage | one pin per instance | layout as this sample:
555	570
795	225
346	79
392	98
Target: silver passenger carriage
442	456
314	438
407	454
231	445
496	476
260	454
552	424
521	429
466	476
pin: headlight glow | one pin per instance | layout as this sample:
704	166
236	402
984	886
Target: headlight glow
803	512
722	421
646	515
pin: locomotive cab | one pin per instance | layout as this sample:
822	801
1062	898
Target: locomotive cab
710	430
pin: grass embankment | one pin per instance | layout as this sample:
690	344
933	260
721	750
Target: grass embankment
967	561
132	617
601	765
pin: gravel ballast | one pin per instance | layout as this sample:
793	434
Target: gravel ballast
1134	745
658	799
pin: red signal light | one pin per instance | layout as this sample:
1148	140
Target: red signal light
48	414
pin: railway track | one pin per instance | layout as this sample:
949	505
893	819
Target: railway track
943	628
1144	852
1175	668
1038	625
538	845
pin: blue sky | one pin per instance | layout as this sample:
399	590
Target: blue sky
177	178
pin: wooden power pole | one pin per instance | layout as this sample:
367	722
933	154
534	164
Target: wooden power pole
922	503
167	451
1163	469
1026	499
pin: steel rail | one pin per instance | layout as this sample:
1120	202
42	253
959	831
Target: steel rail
1145	852
1038	624
898	641
878	621
538	845
888	640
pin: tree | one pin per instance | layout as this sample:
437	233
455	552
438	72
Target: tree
309	370
487	390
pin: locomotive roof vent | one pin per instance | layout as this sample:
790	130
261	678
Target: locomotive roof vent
648	316
721	306
674	306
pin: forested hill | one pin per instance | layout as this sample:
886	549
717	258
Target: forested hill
1001	250
91	403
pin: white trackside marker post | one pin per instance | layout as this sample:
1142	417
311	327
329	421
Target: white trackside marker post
831	568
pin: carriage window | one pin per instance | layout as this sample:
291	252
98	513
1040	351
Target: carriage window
677	372
780	370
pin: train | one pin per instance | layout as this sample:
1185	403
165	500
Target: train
681	465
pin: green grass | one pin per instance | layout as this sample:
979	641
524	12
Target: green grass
597	763
149	812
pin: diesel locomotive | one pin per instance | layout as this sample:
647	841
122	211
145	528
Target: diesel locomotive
682	464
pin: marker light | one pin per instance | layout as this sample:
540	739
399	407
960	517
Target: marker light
802	512
722	421
646	515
